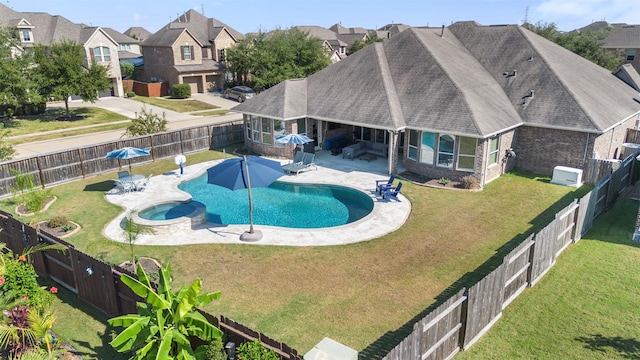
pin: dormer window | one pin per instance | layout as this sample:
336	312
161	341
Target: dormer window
101	54
25	35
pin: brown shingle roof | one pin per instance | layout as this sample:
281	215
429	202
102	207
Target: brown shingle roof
461	82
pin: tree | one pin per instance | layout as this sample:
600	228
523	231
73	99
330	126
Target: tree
359	44
131	233
6	150
62	72
163	325
128	70
263	61
586	44
17	85
147	123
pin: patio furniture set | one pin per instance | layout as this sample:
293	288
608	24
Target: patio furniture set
131	182
366	150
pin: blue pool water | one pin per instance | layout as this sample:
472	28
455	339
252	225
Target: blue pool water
281	204
167	211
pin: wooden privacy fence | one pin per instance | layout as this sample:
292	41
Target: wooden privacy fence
462	319
56	168
98	283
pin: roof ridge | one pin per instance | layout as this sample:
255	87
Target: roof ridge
393	100
442	68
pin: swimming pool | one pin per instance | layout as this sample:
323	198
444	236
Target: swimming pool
282	204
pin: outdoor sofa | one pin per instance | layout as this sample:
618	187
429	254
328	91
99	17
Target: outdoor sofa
364	147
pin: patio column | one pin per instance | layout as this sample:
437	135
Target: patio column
392	156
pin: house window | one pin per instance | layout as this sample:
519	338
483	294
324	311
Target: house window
631	54
248	125
255	124
267	136
101	54
25	34
278	129
467	153
413	145
494	145
187	52
302	126
124	47
382	136
427	148
446	144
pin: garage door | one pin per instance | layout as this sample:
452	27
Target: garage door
194	82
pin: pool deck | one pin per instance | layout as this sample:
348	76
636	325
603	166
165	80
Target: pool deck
386	217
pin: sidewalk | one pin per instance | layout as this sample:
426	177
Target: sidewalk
128	108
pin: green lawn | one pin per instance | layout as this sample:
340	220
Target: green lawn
586	307
364	295
179	105
48	121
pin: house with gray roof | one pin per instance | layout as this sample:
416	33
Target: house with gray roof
41	28
189	50
139	33
456	101
623	40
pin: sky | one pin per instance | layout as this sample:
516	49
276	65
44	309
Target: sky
264	15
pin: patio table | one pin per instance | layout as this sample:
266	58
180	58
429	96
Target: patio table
136	179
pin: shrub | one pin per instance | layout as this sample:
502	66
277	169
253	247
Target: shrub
20	282
215	350
58	221
469	182
181	91
255	351
444	181
131	94
66	227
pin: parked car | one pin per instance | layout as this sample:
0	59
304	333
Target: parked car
240	93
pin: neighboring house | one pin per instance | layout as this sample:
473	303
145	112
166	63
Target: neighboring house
456	101
338	37
126	43
389	30
139	33
41	28
189	50
624	40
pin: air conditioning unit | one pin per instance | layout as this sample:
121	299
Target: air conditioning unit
567	176
630	149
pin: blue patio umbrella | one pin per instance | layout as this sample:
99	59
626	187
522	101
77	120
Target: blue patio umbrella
298	139
127	153
244	173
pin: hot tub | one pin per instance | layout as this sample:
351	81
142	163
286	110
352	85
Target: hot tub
172	217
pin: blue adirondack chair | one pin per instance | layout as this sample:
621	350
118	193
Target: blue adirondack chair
392	193
383	185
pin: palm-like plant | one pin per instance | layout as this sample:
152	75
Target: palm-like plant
163	325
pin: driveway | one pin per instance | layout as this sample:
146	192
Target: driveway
128	108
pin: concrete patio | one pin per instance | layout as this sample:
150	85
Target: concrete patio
386	217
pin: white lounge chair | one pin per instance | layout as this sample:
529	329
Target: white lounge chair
307	163
142	185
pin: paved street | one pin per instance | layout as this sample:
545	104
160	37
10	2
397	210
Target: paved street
127	108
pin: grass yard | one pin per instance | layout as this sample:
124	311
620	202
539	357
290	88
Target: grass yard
92	116
364	295
179	105
586	307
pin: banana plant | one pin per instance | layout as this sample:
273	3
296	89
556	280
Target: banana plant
166	321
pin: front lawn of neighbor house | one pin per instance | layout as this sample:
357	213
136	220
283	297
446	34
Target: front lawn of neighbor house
364	295
179	105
